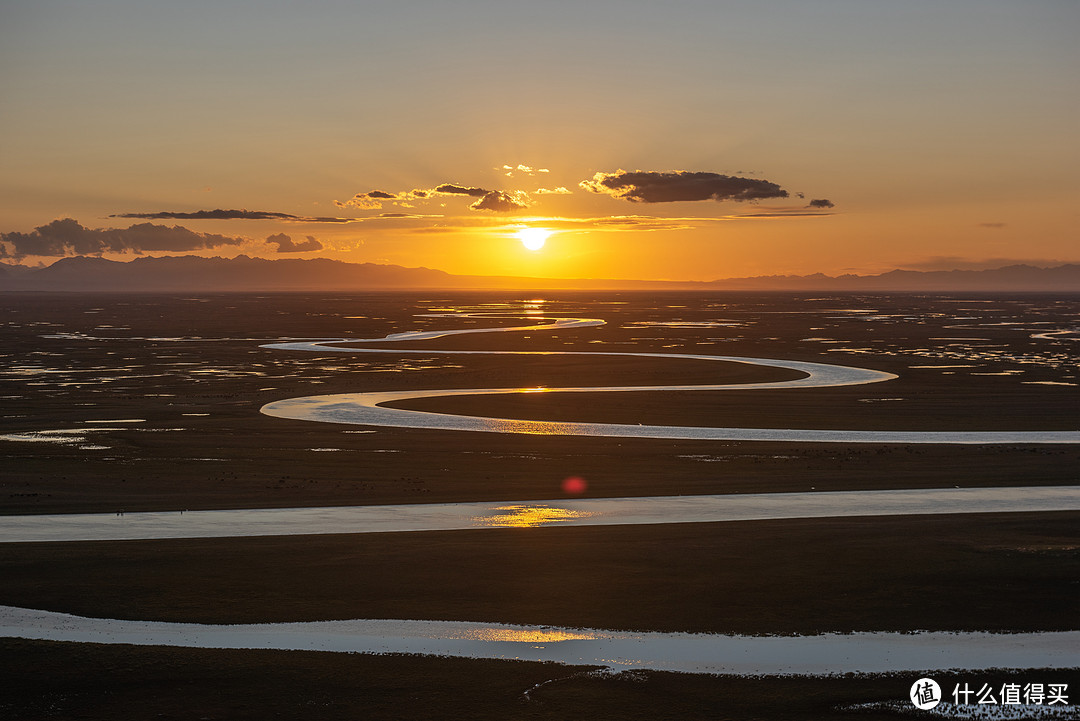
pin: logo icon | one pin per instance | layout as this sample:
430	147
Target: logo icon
925	694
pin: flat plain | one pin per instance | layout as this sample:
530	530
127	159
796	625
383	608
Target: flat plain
151	402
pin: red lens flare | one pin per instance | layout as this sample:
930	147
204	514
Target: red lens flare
574	485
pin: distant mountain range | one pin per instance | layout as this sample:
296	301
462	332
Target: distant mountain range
193	273
1062	278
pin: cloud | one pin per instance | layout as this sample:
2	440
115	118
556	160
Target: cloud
364	201
67	237
497	200
221	214
821	203
434	230
779	213
218	214
527	169
502	202
451	189
649	186
372	200
285	244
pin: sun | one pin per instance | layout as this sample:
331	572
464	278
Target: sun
534	238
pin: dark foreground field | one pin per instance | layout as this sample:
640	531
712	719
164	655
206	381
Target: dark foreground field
101	683
191	370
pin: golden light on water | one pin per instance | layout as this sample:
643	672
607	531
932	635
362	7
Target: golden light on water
521	516
537	635
534	238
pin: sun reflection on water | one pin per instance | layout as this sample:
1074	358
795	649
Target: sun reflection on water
523	516
525	635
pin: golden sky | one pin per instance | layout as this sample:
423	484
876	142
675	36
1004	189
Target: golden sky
680	140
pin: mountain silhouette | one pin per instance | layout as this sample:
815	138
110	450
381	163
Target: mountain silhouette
242	273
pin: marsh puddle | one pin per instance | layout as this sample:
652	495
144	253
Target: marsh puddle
78	437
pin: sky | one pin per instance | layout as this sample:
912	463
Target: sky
680	140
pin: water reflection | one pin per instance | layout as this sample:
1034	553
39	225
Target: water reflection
530	516
521	635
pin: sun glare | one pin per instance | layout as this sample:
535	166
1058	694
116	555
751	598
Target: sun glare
533	238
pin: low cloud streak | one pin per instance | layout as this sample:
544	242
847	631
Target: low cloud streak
222	214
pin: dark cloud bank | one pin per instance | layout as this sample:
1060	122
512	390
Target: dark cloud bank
639	186
68	237
451	189
644	186
650	186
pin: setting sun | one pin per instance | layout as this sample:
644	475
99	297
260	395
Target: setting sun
533	238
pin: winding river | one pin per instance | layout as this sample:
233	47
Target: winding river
370	409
